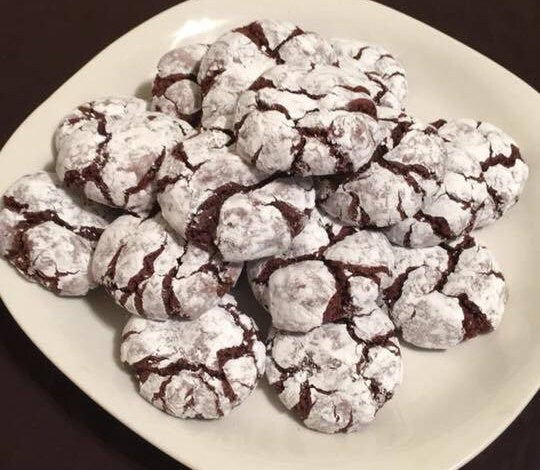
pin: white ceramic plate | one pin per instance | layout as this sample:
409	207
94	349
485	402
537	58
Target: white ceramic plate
451	405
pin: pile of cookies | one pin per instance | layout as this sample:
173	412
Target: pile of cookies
294	154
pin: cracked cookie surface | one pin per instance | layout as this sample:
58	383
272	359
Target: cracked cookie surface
154	273
175	90
377	63
337	376
446	294
327	271
452	212
240	56
406	170
307	120
49	234
503	169
195	369
111	149
217	201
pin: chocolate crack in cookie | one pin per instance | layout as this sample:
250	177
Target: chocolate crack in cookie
328	270
195	369
377	63
240	56
446	294
49	234
217	201
154	273
406	170
503	169
111	149
307	121
337	376
175	90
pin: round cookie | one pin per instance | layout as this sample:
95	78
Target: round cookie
446	294
336	377
217	201
112	148
49	234
154	273
452	211
327	271
503	169
406	170
240	56
175	90
376	62
195	369
307	121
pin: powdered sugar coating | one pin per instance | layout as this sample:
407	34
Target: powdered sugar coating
49	234
175	89
503	169
446	294
327	271
154	273
114	107
111	150
376	62
240	56
337	376
307	121
195	369
406	170
217	201
452	211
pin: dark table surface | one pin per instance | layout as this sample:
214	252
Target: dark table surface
46	420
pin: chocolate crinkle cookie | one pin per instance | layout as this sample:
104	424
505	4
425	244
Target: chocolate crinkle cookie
377	63
307	121
328	270
503	169
217	201
175	90
240	56
195	369
111	149
452	212
406	170
154	273
49	234
337	376
446	294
